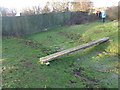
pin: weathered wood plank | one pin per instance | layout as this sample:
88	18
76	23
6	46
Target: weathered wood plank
68	51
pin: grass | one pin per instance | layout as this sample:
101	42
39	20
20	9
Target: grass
88	68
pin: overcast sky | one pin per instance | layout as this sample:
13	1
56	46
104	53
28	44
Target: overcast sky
19	4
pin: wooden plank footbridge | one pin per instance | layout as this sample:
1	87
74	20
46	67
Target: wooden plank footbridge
51	57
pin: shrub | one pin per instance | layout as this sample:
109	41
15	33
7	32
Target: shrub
112	12
82	18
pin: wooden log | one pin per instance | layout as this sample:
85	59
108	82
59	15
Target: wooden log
68	51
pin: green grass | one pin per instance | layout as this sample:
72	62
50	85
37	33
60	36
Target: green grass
21	68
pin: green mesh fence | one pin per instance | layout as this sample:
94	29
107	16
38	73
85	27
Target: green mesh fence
22	25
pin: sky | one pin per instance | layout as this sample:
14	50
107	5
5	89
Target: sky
20	4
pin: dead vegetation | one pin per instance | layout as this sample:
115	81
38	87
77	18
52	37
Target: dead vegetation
82	18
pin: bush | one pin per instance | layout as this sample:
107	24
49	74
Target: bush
112	12
82	18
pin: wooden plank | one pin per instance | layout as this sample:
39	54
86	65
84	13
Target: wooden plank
68	51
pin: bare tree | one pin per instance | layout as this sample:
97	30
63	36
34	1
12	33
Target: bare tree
59	6
13	11
49	7
32	10
6	11
27	11
37	9
84	5
3	12
46	8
